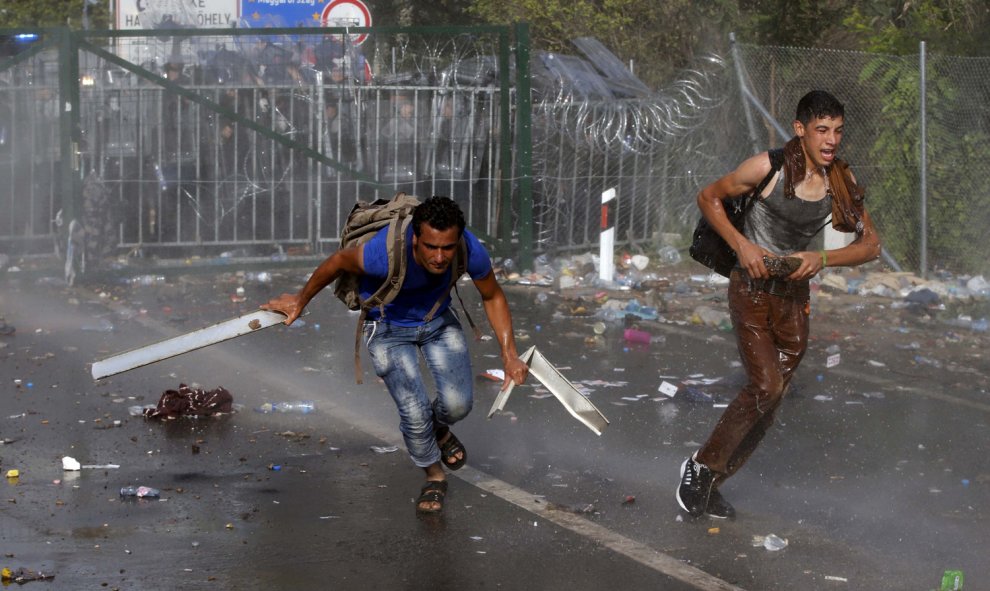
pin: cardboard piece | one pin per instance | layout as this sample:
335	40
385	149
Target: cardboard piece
190	341
576	403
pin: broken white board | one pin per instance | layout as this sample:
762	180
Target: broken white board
580	407
190	341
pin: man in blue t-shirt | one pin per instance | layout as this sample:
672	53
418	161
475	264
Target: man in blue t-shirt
396	338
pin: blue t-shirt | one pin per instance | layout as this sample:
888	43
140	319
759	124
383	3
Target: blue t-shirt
420	289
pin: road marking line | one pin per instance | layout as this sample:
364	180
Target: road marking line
637	551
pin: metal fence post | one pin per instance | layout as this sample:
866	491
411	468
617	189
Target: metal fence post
524	146
923	164
505	145
737	62
68	94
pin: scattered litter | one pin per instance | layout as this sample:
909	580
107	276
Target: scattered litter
140	411
188	401
693	394
823	398
952	580
576	509
634	335
140	492
495	375
699	380
713	531
384	449
13	473
834	578
771	542
834	357
922	360
667	389
23	575
629	500
876	363
70	464
299	407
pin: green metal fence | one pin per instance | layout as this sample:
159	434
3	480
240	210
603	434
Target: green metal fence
236	142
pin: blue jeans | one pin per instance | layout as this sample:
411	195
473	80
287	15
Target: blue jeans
395	351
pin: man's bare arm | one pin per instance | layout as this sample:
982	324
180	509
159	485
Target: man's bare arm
740	181
348	260
497	310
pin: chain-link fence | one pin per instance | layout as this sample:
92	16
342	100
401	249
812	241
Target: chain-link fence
196	142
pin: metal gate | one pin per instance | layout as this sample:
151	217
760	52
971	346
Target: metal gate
245	142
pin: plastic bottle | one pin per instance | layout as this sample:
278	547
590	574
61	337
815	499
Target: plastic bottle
141	492
922	360
669	255
147	280
300	407
774	542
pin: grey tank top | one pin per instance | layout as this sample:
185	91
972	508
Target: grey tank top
784	226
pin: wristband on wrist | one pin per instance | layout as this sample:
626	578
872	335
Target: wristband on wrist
824	259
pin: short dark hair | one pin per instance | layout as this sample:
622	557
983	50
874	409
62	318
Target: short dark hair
440	213
820	104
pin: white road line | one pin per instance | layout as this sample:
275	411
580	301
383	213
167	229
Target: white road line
637	551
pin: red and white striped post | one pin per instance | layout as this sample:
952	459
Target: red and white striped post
606	252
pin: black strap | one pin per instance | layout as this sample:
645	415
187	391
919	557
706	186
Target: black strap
776	163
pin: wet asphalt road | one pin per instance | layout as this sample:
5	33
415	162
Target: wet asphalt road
875	472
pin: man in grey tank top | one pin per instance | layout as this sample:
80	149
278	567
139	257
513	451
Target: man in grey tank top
770	312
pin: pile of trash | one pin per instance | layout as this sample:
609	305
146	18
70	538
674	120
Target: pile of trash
668	275
909	287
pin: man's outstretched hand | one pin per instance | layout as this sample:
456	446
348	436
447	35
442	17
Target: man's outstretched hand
287	304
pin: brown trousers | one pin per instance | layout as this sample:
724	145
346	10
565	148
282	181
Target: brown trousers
772	336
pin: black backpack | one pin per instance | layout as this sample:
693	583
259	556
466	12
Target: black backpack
707	247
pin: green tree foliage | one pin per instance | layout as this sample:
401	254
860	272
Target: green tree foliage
956	27
53	13
957	136
799	23
658	37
